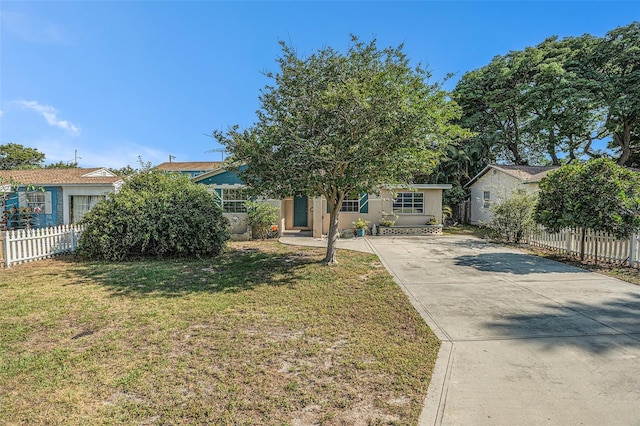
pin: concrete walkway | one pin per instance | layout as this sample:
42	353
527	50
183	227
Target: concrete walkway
525	340
355	244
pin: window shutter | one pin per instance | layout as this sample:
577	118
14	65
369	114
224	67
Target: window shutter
22	199
364	203
48	208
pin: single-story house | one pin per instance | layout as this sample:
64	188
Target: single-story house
416	205
189	168
53	196
496	182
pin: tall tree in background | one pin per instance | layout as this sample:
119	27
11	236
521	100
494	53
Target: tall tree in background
550	103
335	124
615	66
15	156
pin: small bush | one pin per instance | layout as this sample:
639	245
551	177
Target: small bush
260	216
512	218
155	214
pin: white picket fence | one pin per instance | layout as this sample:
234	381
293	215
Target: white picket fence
26	245
599	246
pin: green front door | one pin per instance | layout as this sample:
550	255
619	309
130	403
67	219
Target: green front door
300	212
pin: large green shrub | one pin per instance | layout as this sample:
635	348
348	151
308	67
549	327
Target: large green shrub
512	218
155	214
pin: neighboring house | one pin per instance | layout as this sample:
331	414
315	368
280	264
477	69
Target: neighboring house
495	183
413	206
190	168
53	196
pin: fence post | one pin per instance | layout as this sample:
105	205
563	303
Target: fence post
5	247
569	236
632	250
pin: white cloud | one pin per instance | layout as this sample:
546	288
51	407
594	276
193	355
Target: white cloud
32	29
115	154
50	114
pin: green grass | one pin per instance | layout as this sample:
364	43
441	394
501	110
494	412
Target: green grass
266	334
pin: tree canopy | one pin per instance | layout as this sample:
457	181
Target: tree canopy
550	103
15	156
334	124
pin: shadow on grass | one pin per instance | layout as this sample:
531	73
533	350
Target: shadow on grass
234	271
514	263
589	326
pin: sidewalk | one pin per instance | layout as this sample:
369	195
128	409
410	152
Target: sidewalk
355	244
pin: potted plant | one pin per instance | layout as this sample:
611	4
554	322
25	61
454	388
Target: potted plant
360	226
388	219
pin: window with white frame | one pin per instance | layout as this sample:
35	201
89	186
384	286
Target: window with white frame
408	203
36	201
233	199
81	204
351	204
486	199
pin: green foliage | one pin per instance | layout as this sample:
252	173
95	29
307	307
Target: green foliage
155	214
15	156
361	224
512	218
61	165
334	124
597	195
551	101
260	216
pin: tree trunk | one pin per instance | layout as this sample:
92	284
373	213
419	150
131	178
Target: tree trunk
583	238
332	239
624	141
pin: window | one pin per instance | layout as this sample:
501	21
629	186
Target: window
408	203
351	204
81	204
487	199
233	199
36	201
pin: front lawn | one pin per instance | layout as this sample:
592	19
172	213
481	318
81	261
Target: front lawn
264	335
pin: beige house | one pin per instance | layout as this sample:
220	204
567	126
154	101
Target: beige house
496	183
415	205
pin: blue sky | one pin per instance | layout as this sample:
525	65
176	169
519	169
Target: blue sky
115	80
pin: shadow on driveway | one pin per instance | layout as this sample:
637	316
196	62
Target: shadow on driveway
514	263
617	316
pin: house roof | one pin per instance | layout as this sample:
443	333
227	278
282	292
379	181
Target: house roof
189	166
78	176
526	174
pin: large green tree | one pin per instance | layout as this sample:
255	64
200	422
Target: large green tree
334	124
551	102
16	156
615	66
598	195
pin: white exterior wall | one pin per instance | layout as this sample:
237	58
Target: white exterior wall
69	191
500	186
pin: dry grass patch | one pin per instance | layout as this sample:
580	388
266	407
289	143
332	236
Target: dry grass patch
265	334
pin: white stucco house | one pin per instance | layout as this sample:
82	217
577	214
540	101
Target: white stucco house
496	182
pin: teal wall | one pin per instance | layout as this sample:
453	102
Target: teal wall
39	220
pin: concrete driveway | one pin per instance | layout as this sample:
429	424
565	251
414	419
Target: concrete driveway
526	341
